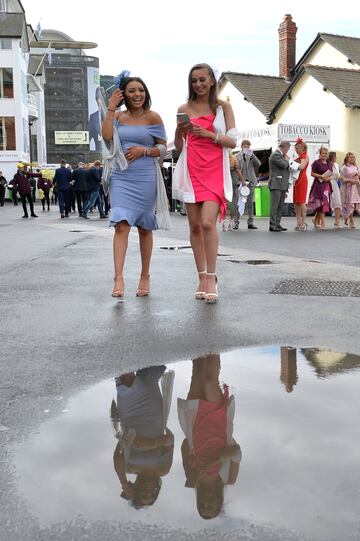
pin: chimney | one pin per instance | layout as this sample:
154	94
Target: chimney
287	46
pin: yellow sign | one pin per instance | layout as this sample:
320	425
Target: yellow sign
71	138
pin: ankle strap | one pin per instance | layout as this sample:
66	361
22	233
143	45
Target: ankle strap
211	273
202	272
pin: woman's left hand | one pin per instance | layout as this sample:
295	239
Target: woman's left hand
201	132
133	153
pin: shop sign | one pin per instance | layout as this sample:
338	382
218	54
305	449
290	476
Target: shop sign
259	137
71	138
311	133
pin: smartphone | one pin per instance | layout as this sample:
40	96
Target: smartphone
182	118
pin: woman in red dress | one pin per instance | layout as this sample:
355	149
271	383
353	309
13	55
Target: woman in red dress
205	171
301	185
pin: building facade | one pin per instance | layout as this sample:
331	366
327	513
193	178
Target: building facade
21	93
71	108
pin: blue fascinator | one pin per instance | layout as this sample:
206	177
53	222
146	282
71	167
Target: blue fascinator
119	78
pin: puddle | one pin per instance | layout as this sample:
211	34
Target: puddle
174	247
253	261
284	422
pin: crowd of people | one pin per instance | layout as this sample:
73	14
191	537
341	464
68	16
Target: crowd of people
76	189
208	179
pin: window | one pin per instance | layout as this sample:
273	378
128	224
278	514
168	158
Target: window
7	133
5	43
6	83
3	5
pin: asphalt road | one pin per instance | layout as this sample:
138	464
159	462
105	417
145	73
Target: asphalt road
61	331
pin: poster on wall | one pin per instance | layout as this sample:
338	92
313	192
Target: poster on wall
93	87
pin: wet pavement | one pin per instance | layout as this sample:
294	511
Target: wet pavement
64	340
295	435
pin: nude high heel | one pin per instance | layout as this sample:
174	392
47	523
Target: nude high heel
143	291
200	295
211	298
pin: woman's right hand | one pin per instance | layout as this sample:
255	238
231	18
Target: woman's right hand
115	99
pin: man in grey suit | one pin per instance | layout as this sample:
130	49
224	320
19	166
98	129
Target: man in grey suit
249	165
278	184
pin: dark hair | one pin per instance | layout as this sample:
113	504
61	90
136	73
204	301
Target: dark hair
213	97
62	162
127	80
332	155
138	501
214	491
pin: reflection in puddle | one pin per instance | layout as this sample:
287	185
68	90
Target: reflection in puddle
176	458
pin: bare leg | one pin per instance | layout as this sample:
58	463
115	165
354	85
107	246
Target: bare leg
205	378
322	220
337	217
298	214
146	246
197	241
120	244
209	213
303	214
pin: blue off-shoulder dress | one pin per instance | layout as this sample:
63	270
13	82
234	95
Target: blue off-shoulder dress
133	191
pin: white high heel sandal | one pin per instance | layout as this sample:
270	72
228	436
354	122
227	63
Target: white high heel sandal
200	295
211	298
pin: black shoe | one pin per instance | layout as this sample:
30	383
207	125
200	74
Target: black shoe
62	215
25	216
66	215
83	215
252	226
275	229
102	217
235	226
106	215
33	215
282	228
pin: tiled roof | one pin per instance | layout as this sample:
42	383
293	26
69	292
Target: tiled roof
347	45
343	83
263	91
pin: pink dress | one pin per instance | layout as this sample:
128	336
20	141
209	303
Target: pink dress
209	433
350	192
205	165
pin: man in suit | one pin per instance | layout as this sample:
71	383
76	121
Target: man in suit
249	165
278	184
62	181
95	126
80	185
93	181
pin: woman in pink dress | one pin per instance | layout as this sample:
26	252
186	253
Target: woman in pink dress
211	457
202	174
350	194
320	193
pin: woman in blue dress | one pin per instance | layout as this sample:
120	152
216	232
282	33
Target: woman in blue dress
133	191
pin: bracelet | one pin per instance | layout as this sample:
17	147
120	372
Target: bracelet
113	110
147	151
217	137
